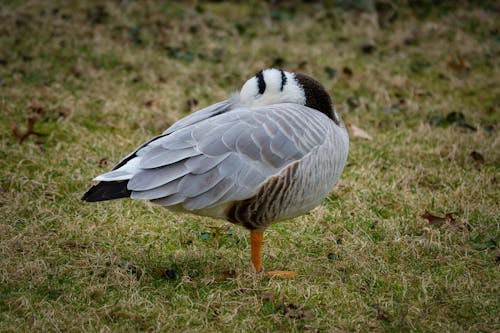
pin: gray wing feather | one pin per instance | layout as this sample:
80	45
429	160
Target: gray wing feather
229	165
262	140
230	137
209	197
192	185
171	200
184	139
226	158
284	148
159	156
158	192
247	147
147	179
212	145
201	115
202	163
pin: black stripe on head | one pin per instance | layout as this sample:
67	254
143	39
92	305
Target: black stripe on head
261	82
283	80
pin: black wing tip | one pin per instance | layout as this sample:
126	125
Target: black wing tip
107	191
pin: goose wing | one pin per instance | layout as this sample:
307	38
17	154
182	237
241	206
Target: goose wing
205	113
222	158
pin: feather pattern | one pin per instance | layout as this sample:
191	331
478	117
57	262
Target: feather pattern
240	157
159	156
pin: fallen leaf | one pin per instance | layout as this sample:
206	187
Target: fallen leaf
476	156
191	103
433	219
459	64
29	131
347	71
103	162
447	219
358	132
17	132
281	274
367	47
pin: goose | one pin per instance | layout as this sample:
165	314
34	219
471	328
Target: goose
269	153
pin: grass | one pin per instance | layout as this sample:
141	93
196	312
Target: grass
102	78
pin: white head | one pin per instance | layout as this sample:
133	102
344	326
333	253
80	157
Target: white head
273	86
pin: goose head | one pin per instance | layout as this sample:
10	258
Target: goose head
274	86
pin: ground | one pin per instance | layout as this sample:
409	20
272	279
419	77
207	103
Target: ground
417	85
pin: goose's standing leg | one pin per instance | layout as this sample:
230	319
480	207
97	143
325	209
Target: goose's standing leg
256	240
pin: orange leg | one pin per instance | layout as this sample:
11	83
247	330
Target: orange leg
256	240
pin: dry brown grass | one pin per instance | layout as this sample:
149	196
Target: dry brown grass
104	78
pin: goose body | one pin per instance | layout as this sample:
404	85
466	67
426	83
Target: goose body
270	153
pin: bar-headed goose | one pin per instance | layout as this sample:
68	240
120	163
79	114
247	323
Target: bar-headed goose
269	153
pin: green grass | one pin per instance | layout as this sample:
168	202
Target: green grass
105	78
